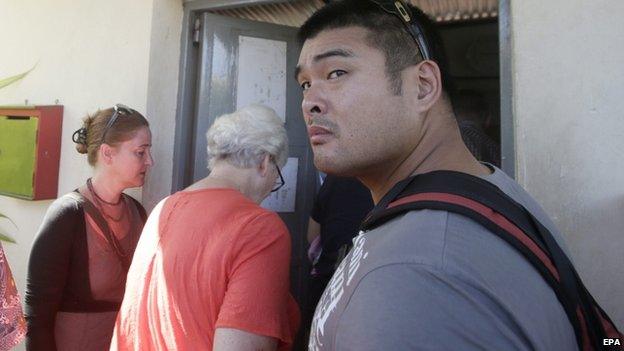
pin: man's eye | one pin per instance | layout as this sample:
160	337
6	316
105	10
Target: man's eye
140	153
335	74
305	85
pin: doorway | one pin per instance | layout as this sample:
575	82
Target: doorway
218	40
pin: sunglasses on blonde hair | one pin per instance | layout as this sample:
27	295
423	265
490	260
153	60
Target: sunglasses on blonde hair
119	110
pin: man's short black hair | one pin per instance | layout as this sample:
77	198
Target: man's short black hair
387	33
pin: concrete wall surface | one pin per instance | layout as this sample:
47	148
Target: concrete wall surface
162	93
568	91
89	55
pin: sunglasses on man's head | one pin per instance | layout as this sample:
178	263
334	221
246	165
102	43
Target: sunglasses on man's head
399	9
119	109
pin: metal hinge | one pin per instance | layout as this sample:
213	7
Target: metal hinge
196	30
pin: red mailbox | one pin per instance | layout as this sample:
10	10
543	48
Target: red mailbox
30	149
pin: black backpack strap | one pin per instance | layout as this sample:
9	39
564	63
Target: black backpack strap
448	182
489	206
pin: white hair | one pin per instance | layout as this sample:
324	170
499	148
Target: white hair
243	138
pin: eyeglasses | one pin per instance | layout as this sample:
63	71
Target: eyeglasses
119	109
399	9
281	183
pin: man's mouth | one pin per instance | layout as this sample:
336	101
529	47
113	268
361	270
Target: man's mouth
318	135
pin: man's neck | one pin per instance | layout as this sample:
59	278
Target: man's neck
440	148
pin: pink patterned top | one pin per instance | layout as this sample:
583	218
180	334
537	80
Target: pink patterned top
12	322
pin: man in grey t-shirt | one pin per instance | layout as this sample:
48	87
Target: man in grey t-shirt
376	106
434	280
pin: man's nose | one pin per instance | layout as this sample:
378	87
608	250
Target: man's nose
314	104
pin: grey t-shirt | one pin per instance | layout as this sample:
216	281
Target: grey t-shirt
434	280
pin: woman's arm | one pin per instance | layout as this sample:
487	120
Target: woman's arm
229	339
48	269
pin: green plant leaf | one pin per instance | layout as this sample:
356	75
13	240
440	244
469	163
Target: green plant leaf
10	220
10	80
5	236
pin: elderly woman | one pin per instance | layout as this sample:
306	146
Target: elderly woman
211	271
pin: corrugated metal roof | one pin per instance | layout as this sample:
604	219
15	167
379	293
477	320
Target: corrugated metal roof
294	13
458	10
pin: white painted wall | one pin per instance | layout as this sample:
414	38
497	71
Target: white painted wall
568	87
162	93
90	54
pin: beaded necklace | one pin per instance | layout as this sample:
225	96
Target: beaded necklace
99	200
90	185
110	234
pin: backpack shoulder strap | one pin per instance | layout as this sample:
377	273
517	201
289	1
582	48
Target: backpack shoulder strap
486	204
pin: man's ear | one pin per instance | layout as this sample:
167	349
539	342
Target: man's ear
424	82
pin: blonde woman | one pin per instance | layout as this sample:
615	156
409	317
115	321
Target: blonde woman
80	257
